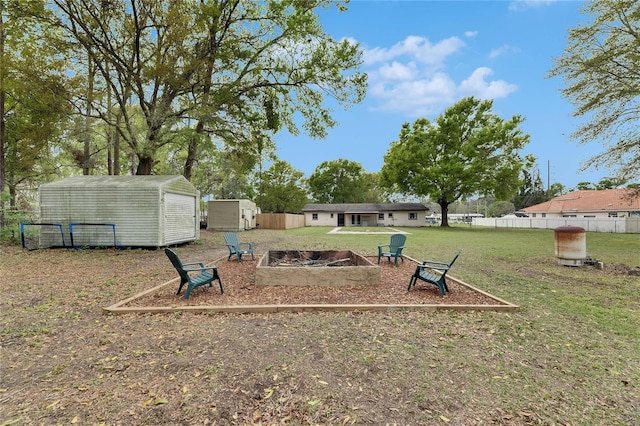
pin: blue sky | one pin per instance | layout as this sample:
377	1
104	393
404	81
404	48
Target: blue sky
424	56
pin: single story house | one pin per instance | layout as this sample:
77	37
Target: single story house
365	214
619	202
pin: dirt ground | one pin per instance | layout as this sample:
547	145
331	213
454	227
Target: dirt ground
64	361
238	279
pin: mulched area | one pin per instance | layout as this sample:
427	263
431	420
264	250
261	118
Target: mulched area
238	280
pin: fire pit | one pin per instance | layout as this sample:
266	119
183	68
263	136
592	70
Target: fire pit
316	268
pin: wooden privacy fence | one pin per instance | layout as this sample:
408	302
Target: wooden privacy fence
279	220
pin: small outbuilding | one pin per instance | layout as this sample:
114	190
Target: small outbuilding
231	215
130	211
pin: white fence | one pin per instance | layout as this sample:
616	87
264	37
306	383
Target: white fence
621	225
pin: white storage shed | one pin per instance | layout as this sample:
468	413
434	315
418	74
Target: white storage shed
231	215
136	211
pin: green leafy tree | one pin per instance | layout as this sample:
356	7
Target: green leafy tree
339	181
601	71
468	150
374	193
531	191
500	208
32	98
582	186
610	183
221	174
281	189
237	71
556	189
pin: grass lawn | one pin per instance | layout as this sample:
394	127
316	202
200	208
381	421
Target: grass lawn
570	355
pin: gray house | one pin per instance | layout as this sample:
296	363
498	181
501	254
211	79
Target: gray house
136	211
365	214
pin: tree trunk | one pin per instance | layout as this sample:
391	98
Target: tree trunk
2	113
444	208
146	156
87	120
145	165
109	130
192	151
116	145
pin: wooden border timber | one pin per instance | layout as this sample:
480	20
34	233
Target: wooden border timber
119	308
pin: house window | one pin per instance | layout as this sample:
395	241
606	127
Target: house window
331	216
355	219
314	216
543	215
613	214
380	216
413	216
390	215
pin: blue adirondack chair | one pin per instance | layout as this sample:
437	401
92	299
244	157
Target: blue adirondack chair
194	274
433	272
393	249
236	247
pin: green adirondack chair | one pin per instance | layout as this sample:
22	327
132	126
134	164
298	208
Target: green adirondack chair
393	249
433	272
236	247
193	276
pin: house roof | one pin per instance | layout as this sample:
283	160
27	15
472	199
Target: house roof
619	199
363	207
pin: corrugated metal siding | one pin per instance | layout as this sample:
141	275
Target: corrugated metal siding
134	211
135	206
179	218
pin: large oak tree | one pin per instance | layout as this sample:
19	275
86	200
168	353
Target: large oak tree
236	70
468	150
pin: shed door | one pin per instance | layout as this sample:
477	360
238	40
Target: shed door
179	218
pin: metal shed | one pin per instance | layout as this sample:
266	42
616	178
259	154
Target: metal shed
136	211
231	215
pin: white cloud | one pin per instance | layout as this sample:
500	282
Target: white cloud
416	48
397	71
410	77
418	97
470	34
503	50
477	86
517	5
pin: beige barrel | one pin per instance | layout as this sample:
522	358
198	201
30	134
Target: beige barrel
570	245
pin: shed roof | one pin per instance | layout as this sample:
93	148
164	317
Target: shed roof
145	181
363	207
619	199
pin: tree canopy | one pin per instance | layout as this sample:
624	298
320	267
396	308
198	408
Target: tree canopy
342	181
601	71
281	189
33	105
235	70
531	191
468	150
